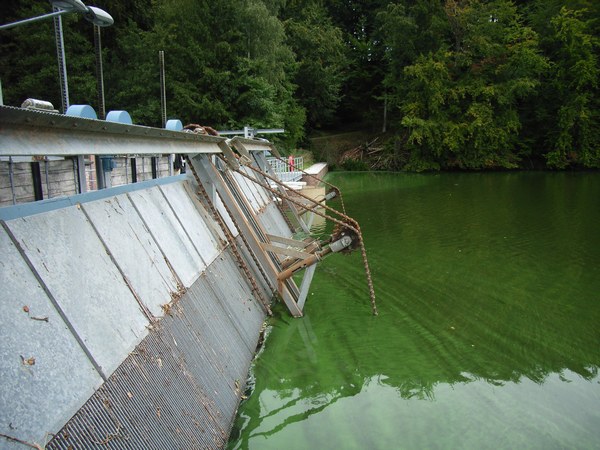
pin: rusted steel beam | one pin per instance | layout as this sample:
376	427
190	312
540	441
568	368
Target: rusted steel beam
208	174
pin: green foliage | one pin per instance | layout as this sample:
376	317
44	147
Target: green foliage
468	84
575	72
362	89
319	48
462	101
355	165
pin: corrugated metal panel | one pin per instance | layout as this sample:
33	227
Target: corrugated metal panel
187	210
234	293
223	212
246	188
56	371
178	388
267	288
273	222
70	258
170	235
255	188
134	249
262	194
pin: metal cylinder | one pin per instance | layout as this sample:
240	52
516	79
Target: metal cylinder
340	244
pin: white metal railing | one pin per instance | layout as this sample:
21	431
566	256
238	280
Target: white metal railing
287	171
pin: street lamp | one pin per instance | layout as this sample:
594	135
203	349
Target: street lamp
95	15
99	18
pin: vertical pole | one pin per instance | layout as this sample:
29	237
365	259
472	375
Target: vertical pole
38	192
133	170
154	164
81	176
62	63
47	178
12	179
163	105
163	89
99	73
64	90
101	105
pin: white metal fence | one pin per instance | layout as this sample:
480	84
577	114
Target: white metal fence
287	171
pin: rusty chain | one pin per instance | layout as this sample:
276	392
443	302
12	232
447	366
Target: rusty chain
252	255
285	217
231	240
347	222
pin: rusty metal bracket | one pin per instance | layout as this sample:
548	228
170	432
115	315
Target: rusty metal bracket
206	171
344	221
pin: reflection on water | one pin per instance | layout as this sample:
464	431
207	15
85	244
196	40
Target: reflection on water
470	414
489	296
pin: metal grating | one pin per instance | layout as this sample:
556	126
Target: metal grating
180	385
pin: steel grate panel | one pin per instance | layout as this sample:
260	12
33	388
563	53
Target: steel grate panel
243	309
273	222
145	404
262	283
181	385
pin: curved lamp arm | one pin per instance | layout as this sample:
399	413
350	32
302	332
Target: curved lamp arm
95	15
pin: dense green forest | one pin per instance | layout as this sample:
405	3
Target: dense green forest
467	84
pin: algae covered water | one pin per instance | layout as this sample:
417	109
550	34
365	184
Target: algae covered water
488	334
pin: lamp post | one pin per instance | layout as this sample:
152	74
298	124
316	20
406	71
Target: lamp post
99	18
95	15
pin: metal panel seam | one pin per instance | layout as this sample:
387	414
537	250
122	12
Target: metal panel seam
162	252
182	226
141	304
53	300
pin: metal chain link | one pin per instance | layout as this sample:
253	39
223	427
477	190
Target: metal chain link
347	222
231	240
285	217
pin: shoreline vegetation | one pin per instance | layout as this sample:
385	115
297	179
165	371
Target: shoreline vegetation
360	151
442	84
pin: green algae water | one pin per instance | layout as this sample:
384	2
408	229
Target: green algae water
488	334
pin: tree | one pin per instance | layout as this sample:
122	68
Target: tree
321	60
362	90
574	137
408	30
462	100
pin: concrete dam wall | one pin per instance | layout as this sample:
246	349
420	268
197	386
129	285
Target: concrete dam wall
130	315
